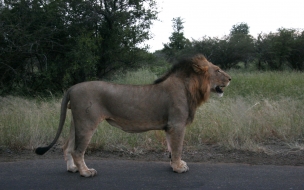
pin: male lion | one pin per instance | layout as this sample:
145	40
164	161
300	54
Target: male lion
169	104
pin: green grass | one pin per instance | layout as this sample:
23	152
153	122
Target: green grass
267	85
256	107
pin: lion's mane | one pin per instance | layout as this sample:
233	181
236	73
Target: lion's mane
197	89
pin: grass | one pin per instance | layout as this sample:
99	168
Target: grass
267	85
257	107
28	123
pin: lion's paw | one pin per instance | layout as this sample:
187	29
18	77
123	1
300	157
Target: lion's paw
180	167
88	173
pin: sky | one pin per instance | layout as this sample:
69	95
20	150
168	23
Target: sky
215	18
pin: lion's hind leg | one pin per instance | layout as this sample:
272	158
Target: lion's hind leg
68	148
83	134
168	144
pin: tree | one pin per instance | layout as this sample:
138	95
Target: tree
241	28
229	50
32	35
177	40
282	49
240	45
126	25
296	58
52	44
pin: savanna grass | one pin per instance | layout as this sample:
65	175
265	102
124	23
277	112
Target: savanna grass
256	107
28	123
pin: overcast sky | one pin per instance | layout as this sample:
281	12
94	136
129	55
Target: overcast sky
215	18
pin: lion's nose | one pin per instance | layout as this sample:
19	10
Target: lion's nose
229	79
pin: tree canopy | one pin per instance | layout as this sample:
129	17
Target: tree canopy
52	44
49	45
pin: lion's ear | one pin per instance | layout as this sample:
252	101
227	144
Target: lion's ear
200	68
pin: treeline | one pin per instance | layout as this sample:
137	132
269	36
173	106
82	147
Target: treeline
48	45
280	50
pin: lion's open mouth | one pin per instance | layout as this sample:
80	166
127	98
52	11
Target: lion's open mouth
219	89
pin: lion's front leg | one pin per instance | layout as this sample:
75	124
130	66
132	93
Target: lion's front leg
175	138
179	166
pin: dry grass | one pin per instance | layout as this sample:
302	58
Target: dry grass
237	123
256	107
27	123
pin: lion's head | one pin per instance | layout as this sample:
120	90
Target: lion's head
200	77
216	77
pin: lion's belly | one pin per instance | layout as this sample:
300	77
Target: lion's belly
136	126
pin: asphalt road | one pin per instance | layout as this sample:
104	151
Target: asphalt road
118	174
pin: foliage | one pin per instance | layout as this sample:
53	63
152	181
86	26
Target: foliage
177	39
48	45
241	28
282	49
275	51
229	50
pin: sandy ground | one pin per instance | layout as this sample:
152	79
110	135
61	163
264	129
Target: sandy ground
275	154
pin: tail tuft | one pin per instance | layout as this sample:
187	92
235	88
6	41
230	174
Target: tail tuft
41	150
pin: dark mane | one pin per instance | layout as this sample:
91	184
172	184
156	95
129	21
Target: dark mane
196	85
184	67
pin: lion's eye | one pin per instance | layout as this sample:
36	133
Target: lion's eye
218	71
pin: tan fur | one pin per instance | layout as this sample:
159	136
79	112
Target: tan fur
169	104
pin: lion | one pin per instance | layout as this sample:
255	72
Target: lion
168	104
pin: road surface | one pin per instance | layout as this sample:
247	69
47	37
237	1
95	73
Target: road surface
120	174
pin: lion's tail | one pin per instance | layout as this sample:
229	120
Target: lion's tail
64	104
